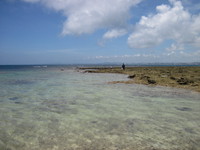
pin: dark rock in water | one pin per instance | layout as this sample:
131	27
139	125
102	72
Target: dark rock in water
189	130
183	108
18	102
89	71
13	98
130	122
131	76
94	122
150	81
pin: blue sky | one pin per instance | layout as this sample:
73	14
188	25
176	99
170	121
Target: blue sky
98	31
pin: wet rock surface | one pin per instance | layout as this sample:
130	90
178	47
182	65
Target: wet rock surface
131	76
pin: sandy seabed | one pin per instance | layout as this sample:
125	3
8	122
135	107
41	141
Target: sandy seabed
49	109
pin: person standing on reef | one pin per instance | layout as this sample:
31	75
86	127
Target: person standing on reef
123	66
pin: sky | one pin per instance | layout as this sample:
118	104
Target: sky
99	31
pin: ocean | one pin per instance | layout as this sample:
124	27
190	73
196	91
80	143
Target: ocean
62	108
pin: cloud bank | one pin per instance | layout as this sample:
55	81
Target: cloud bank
169	23
173	56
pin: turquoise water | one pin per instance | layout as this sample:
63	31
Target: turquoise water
44	108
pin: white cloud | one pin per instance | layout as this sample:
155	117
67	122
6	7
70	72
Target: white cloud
87	16
169	57
114	33
170	23
181	56
175	47
127	58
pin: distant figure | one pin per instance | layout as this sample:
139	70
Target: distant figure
123	66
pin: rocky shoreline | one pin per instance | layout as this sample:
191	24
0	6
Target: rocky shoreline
187	77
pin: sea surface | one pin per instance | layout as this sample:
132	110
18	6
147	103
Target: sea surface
61	108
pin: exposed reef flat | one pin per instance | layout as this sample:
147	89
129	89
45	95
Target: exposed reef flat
187	77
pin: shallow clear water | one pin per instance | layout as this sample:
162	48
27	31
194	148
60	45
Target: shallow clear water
50	109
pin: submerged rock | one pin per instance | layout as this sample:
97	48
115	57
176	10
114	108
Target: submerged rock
94	121
17	102
190	130
183	108
13	98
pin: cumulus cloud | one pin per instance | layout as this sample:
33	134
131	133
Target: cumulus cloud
171	22
114	33
87	16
